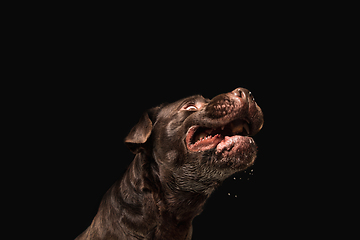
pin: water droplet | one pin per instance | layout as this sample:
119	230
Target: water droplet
234	178
236	196
229	194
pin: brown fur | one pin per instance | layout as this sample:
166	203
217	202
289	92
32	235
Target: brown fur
166	185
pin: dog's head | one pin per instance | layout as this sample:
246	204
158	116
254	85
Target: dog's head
197	142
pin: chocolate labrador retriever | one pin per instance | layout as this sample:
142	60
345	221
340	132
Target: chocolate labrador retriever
184	150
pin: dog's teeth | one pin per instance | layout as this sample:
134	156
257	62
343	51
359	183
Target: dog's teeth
242	127
247	129
201	137
237	128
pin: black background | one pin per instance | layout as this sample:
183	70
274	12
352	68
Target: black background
80	77
100	78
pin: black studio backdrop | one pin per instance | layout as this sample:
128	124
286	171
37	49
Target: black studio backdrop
97	81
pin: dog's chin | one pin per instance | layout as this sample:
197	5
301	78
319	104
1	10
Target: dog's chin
236	152
229	153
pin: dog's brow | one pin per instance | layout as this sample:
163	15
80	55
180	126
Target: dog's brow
185	101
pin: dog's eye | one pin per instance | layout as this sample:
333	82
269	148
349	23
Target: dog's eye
190	107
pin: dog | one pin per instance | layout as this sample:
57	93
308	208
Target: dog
183	152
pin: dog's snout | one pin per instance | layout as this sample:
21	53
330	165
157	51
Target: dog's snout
244	94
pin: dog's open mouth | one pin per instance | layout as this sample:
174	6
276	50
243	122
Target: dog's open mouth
202	139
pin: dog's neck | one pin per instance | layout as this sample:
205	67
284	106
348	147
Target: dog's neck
182	205
171	210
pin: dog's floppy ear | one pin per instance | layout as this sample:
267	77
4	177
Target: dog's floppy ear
141	132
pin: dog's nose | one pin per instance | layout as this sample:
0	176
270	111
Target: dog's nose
244	94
